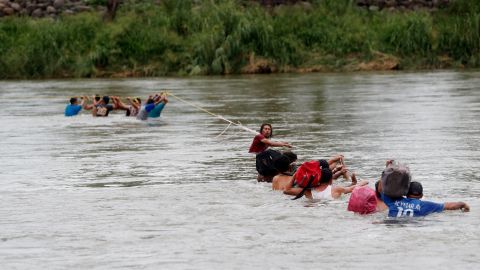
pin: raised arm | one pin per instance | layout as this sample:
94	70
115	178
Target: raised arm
135	103
161	98
456	206
82	102
87	106
335	159
95	102
119	104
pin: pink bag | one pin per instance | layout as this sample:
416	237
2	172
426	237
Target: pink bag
363	200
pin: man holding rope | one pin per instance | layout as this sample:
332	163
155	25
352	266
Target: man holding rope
262	141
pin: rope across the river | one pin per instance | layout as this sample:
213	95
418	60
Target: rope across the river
215	115
238	124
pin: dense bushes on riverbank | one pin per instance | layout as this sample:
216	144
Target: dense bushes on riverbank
220	37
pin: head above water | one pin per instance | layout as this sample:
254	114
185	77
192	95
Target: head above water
266	130
415	190
150	101
97	98
282	163
73	100
327	176
323	164
291	156
106	99
396	180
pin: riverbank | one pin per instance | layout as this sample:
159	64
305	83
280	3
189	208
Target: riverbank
182	38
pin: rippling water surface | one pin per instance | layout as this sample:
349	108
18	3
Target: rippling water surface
169	193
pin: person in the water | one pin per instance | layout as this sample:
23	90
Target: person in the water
411	205
145	109
284	166
326	190
74	107
130	110
263	140
160	101
101	107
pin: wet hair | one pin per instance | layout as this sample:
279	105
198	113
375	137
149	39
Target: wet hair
138	100
97	98
376	189
282	163
106	99
271	128
415	189
324	164
73	100
326	176
291	156
150	101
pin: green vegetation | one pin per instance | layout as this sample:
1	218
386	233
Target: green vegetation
179	37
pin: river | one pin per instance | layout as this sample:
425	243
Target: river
177	193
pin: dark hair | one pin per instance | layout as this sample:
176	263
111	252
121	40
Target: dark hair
139	100
326	176
415	189
376	189
106	99
290	155
150	101
282	163
271	128
97	98
73	100
324	164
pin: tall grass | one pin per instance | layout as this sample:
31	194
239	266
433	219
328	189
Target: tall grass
459	37
223	36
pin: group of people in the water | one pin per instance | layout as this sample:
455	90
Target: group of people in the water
314	179
102	106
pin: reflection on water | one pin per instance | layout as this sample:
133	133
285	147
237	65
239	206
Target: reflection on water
115	192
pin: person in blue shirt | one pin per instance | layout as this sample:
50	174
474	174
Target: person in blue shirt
160	101
412	206
74	108
146	109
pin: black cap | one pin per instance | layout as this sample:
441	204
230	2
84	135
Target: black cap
415	189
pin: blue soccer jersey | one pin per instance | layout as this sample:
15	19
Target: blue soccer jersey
408	207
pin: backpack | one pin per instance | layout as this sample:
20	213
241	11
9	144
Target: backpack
264	162
307	176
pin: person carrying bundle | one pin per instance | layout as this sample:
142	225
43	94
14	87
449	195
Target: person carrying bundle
403	196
